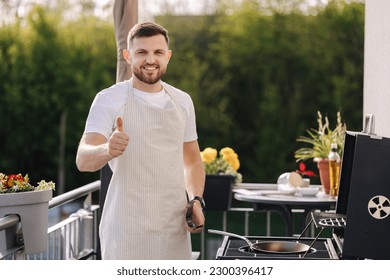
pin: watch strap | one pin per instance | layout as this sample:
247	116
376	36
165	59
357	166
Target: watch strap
190	222
201	200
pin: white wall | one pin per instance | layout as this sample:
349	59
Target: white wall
376	88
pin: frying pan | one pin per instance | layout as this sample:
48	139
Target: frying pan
271	246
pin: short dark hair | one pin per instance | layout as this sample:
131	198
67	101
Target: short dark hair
146	29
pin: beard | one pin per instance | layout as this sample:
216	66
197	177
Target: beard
149	78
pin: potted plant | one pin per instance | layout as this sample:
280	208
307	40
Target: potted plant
221	173
30	203
320	141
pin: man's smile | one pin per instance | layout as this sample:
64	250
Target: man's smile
150	68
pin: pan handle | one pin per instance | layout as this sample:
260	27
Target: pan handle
232	235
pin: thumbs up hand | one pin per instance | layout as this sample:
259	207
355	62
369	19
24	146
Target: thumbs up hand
118	140
119	124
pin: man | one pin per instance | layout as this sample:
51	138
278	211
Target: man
145	129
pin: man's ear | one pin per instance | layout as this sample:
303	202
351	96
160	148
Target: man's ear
126	55
169	55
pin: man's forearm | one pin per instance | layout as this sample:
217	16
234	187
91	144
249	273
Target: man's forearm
195	180
194	169
92	158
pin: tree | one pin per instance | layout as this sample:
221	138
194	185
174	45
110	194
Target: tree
257	77
51	74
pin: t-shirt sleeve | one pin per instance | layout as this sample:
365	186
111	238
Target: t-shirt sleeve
101	116
190	133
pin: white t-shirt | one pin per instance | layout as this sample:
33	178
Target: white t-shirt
110	102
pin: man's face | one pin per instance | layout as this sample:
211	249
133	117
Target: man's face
149	58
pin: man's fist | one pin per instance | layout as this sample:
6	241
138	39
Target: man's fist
118	141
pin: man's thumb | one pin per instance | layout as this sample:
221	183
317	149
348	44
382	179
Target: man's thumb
119	124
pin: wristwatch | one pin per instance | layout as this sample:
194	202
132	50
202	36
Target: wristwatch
201	200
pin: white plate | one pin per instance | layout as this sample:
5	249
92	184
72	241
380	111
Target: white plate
291	192
309	191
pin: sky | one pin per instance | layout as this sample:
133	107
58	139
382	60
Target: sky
148	8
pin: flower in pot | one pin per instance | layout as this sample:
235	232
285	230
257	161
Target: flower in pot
320	141
224	162
15	183
306	174
30	203
221	172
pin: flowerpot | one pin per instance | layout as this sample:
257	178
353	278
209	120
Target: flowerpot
323	167
218	192
32	208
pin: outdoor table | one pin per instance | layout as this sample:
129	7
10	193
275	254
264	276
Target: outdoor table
265	197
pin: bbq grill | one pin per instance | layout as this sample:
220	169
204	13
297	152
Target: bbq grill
233	248
360	224
319	248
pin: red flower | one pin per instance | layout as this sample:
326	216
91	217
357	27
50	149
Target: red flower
302	170
14	183
13	178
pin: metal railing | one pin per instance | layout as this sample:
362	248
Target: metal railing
75	236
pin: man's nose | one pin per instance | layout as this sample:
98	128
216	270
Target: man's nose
150	59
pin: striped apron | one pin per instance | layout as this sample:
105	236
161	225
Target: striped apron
144	214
